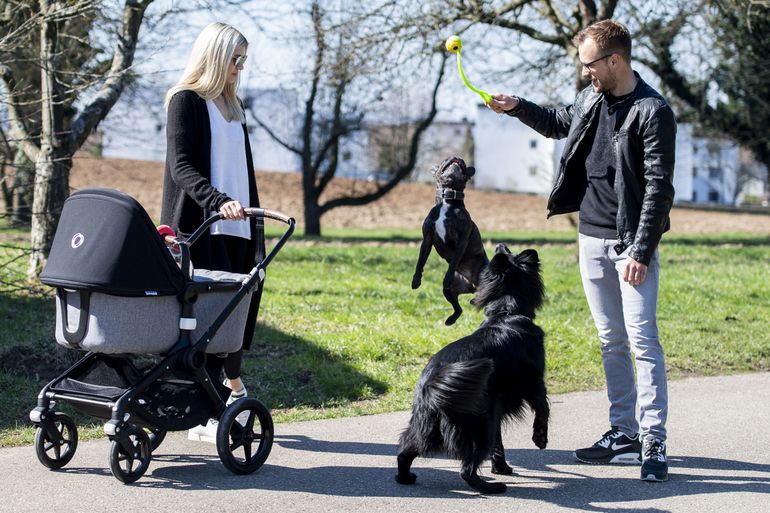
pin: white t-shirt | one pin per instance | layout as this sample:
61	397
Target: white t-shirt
229	169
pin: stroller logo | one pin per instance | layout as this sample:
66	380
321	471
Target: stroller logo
77	240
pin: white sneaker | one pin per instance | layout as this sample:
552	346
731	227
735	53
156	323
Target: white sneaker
234	396
207	433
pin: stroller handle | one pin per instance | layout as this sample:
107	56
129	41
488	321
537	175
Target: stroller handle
250	212
272	214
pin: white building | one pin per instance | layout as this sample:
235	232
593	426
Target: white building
510	156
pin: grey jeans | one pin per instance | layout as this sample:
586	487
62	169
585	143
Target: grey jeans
625	317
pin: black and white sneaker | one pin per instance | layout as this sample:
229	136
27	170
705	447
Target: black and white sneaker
654	464
614	447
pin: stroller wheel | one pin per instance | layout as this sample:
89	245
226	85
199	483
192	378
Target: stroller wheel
156	437
244	448
130	454
56	440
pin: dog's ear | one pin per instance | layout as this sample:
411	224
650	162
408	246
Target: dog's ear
470	171
528	257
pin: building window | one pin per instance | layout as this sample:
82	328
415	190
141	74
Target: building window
533	143
715	173
346	155
532	170
713	196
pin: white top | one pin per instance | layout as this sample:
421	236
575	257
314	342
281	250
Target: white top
229	169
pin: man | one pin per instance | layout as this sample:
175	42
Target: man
616	171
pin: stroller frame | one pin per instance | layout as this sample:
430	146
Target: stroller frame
134	433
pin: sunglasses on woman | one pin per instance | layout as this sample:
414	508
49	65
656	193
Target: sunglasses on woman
239	60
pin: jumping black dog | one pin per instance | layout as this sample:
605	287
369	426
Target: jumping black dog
471	386
450	229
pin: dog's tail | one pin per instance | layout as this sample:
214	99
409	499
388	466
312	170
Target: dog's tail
459	387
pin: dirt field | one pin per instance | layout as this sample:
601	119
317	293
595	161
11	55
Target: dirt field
405	207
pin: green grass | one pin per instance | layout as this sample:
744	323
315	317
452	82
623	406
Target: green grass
341	332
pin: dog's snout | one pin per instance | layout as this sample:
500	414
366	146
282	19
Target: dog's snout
454	163
501	249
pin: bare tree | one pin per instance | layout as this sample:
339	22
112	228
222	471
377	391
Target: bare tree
348	63
712	57
551	24
63	130
730	93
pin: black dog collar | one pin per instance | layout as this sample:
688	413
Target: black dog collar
449	194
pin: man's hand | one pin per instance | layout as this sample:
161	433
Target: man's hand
232	210
502	102
634	273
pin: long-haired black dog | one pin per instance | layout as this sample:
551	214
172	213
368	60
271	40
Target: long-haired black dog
475	383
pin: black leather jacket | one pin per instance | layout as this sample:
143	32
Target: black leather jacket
644	149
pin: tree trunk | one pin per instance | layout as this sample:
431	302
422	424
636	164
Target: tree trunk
54	159
312	215
51	179
60	140
23	184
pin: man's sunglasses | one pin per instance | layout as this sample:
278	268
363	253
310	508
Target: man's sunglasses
588	65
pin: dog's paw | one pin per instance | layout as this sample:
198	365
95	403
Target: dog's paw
406	479
494	488
486	487
452	319
501	467
540	437
416	282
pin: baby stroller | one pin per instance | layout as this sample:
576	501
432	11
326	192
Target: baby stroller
155	332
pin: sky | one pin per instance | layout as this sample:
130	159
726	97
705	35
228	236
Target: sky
493	59
268	56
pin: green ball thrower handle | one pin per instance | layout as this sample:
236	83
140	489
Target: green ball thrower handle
484	95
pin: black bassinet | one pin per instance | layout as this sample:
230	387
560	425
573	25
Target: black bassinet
119	289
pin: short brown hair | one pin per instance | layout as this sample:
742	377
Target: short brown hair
610	36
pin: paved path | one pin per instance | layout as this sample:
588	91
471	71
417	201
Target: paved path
719	452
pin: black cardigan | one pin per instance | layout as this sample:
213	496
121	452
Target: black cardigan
188	196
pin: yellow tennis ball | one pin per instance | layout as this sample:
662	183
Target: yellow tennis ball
454	44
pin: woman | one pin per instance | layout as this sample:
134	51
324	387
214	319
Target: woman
209	169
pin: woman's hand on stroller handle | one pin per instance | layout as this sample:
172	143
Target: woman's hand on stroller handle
232	211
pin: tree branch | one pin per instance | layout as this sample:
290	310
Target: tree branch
405	169
275	137
98	108
607	10
17	129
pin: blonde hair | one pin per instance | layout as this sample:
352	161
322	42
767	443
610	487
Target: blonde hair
207	67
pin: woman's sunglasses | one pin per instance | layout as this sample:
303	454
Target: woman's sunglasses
239	60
